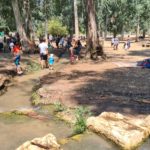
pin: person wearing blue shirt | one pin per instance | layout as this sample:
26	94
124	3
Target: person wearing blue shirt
51	61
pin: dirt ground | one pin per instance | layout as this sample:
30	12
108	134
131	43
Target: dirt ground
114	85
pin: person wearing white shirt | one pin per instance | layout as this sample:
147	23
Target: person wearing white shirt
11	46
43	46
116	43
112	41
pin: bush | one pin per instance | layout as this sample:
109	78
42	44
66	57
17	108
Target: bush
35	98
59	107
32	66
40	30
80	125
55	27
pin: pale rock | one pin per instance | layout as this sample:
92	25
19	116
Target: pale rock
125	131
3	79
47	142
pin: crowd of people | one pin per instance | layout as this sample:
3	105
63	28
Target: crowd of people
70	44
12	44
8	41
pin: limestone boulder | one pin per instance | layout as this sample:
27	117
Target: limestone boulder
128	132
4	79
47	142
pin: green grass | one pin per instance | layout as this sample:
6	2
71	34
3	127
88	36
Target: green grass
32	67
35	98
81	115
59	107
12	117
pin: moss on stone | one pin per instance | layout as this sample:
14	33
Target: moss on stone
13	117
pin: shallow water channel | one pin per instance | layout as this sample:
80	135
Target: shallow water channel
16	129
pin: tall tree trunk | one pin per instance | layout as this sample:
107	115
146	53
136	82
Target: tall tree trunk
114	33
106	26
76	22
46	26
27	16
92	38
19	24
137	29
122	33
144	33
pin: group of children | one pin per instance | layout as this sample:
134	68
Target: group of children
115	43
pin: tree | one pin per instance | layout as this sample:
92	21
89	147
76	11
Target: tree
19	24
76	18
27	18
92	36
6	15
55	27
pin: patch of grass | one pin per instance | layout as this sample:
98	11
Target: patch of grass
81	115
13	117
35	99
32	66
59	107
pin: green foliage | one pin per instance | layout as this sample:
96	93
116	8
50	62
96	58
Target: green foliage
112	15
40	30
2	22
35	99
55	27
13	117
81	114
59	107
32	66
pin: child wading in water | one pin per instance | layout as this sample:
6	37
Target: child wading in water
17	58
51	61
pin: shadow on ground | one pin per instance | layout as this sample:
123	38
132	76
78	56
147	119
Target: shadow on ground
120	90
145	53
124	90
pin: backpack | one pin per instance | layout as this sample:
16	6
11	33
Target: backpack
145	63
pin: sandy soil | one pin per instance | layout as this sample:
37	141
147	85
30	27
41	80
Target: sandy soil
113	85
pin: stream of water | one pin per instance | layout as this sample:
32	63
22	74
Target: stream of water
17	129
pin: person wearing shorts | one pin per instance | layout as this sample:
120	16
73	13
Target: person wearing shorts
17	57
51	61
43	46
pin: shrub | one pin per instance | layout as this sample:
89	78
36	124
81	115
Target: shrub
35	99
80	125
55	27
59	107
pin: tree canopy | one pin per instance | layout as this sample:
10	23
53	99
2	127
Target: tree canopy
115	16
